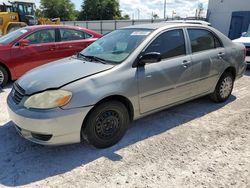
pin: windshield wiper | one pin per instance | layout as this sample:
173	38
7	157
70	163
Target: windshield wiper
79	55
103	61
92	58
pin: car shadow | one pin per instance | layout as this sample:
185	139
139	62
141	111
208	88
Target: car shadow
22	162
6	88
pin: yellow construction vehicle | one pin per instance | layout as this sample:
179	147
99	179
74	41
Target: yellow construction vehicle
20	13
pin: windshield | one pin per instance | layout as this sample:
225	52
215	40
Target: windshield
116	46
6	39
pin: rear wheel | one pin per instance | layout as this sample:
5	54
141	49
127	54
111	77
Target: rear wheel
4	77
223	88
106	124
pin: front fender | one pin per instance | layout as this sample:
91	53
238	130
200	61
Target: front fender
91	90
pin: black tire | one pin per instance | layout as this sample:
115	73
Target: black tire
223	88
106	124
4	76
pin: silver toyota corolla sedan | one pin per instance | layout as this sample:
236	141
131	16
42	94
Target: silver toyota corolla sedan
127	74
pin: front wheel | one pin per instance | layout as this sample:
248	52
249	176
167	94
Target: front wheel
106	124
223	88
4	77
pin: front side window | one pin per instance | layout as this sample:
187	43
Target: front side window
43	36
169	44
202	40
72	34
116	46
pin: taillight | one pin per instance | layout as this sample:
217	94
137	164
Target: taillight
245	52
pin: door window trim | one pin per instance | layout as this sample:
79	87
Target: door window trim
17	43
160	33
60	37
215	36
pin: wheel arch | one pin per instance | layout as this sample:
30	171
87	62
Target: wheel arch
7	69
120	98
232	70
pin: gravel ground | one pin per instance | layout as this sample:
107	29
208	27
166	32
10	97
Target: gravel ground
197	144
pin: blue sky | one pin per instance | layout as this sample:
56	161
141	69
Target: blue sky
78	3
145	8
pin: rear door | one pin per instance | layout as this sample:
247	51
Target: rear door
207	58
169	80
72	41
40	50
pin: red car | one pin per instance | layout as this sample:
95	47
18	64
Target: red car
29	47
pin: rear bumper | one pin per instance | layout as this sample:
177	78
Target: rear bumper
48	127
241	70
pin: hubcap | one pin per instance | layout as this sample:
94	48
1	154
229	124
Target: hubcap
107	124
1	77
226	87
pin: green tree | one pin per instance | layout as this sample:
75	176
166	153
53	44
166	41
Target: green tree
126	17
38	13
63	9
100	10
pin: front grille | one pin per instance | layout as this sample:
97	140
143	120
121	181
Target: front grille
17	93
248	50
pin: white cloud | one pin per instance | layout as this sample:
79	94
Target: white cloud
182	8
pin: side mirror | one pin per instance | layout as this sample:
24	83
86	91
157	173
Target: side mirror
152	57
243	34
24	43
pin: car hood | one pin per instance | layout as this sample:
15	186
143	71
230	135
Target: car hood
59	73
243	40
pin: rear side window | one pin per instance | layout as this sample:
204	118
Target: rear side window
203	40
73	34
169	44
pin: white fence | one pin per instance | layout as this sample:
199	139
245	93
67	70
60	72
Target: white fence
106	26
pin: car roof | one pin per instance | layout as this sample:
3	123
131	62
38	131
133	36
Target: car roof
154	26
53	26
38	27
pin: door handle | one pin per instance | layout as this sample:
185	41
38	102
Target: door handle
70	46
186	63
221	55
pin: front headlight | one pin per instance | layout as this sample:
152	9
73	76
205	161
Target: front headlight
48	99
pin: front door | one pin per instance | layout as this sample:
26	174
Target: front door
168	81
41	50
